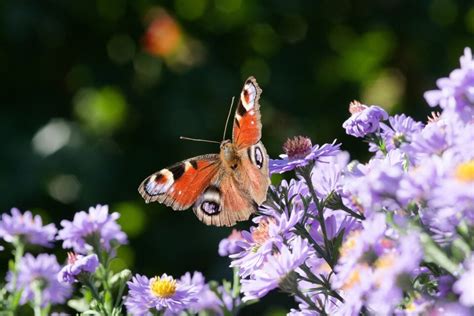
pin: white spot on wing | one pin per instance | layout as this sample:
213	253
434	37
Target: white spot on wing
154	188
187	165
252	93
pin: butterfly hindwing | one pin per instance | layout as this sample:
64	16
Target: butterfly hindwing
180	185
224	202
253	171
247	129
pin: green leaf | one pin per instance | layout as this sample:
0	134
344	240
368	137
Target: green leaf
15	299
108	300
78	304
435	254
11	265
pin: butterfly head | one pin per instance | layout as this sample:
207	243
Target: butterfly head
229	153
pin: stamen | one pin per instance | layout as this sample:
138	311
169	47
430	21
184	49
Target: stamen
163	287
356	107
298	147
350	243
434	117
71	257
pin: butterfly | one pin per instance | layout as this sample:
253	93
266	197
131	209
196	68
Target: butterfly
222	188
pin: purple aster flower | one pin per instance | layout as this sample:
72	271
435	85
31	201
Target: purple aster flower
27	227
393	270
462	142
41	270
76	265
364	120
257	245
463	286
228	302
358	285
208	300
373	186
88	229
418	183
229	246
358	246
445	285
452	198
400	131
299	152
326	176
274	227
434	139
293	190
456	93
278	271
336	223
159	293
374	269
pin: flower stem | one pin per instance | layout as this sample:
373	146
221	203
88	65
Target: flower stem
301	230
96	296
435	254
306	174
351	212
18	253
235	283
310	303
36	286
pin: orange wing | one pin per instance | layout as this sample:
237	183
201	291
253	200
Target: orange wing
180	185
247	129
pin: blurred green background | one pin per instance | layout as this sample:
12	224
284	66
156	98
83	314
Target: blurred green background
94	95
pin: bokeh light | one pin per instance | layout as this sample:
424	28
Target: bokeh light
102	111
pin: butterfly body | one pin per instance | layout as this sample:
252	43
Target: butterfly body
222	188
229	155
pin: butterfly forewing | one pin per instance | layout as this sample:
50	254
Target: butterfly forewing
180	185
247	129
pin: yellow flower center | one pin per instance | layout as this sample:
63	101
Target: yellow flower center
350	243
465	172
163	287
385	261
411	307
355	277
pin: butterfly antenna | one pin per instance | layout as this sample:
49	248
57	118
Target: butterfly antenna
228	116
199	140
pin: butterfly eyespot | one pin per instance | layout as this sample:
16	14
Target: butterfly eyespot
210	207
258	157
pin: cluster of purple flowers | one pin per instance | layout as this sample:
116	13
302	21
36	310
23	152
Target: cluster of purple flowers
93	237
393	235
40	280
